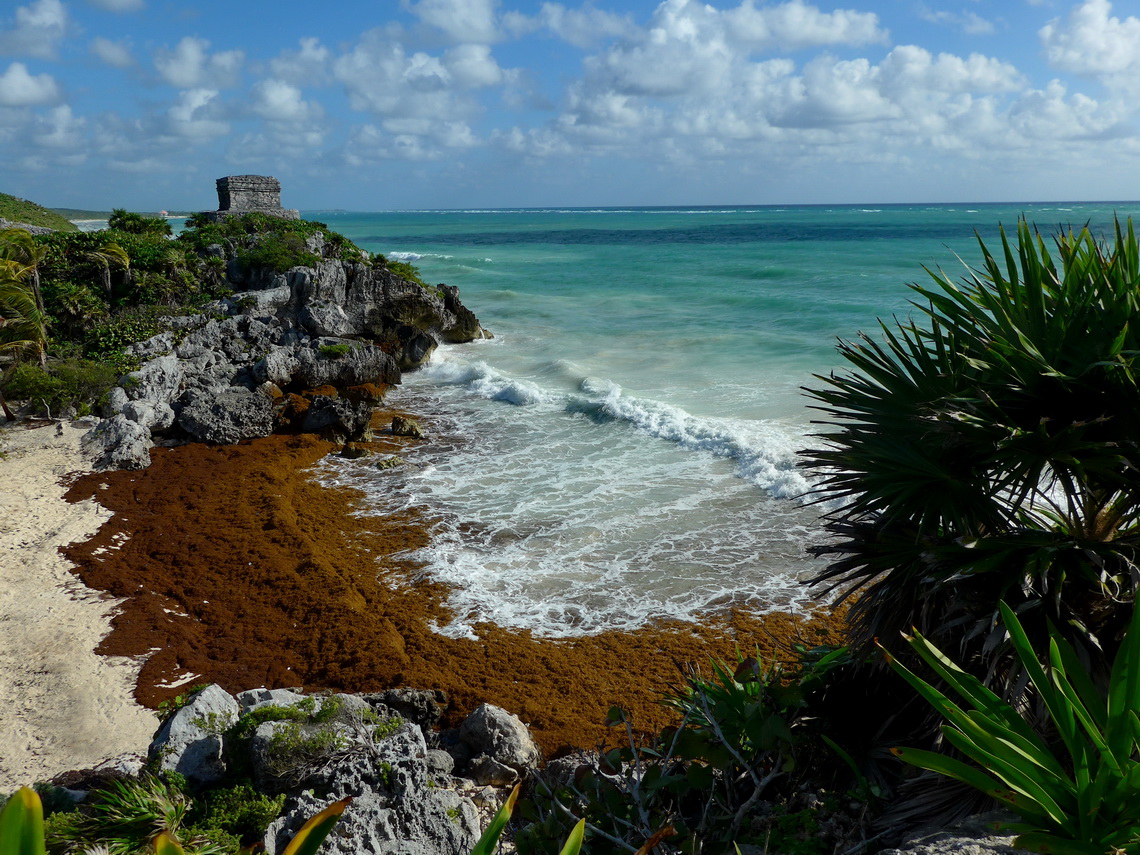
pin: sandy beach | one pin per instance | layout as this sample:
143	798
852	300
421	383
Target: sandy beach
64	706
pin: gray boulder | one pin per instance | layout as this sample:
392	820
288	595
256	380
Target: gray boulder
493	731
337	416
158	380
190	742
227	417
363	363
118	443
155	416
394	809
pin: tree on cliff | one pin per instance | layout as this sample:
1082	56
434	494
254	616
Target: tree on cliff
988	450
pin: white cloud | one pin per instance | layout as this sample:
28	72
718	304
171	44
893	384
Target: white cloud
968	22
190	65
195	115
60	129
119	5
1093	42
460	20
279	101
472	66
582	27
36	31
308	65
424	102
18	88
117	54
796	25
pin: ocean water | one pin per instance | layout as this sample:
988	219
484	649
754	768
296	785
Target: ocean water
624	450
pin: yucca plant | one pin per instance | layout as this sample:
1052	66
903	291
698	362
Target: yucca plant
987	449
1082	801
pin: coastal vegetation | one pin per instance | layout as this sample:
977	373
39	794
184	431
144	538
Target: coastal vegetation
72	302
17	210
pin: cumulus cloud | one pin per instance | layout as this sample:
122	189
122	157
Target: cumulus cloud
308	65
190	65
117	54
278	101
18	88
968	22
37	30
1091	41
458	20
583	27
60	129
119	5
195	115
472	66
796	25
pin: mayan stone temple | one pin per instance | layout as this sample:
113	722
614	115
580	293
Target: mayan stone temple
247	194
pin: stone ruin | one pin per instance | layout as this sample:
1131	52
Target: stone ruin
247	194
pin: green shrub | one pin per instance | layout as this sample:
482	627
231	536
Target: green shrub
278	252
737	743
237	815
1084	801
986	451
335	351
62	384
138	224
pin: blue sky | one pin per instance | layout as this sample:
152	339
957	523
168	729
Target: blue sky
496	103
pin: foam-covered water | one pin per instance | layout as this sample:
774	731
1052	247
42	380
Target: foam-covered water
624	450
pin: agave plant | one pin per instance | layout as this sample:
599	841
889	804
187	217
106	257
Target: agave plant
1084	801
987	449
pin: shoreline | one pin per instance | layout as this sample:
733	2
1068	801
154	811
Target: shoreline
65	706
231	564
241	569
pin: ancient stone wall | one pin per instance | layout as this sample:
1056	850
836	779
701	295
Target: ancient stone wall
243	194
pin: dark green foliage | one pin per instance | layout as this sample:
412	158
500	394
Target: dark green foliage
61	384
283	238
125	815
22	211
74	307
278	252
138	224
987	451
237	815
741	736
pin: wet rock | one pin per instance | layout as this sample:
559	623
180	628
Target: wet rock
402	426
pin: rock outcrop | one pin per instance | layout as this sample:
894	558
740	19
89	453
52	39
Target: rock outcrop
239	370
373	748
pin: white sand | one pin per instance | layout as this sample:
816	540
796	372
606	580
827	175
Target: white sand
62	706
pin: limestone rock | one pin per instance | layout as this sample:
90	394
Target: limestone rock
500	735
337	417
394	811
363	363
158	380
228	417
118	443
972	836
406	427
190	742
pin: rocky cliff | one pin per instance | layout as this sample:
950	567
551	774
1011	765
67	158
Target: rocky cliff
311	349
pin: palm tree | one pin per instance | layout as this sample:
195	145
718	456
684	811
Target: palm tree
23	327
20	246
990	449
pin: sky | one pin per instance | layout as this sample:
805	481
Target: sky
395	104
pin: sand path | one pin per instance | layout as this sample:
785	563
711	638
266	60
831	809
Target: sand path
61	706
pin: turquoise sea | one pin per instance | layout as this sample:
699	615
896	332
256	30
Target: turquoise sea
624	449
